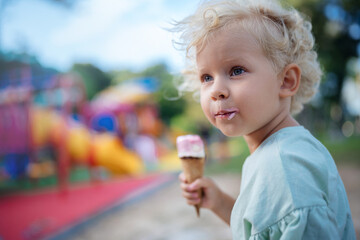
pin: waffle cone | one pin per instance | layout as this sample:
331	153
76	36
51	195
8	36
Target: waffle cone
193	169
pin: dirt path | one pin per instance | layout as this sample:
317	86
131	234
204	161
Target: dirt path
165	215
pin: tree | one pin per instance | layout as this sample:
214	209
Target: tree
94	79
336	28
170	104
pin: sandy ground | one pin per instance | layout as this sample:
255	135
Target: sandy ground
164	215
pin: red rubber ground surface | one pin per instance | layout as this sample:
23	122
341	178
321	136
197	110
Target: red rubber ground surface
37	215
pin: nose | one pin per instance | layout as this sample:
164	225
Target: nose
219	90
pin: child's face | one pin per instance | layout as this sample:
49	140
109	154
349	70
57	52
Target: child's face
240	88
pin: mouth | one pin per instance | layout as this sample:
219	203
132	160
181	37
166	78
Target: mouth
227	113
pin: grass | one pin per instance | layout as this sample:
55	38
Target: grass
345	151
77	174
233	163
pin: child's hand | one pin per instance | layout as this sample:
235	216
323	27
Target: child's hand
213	198
210	190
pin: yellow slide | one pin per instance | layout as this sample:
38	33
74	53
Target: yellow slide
105	149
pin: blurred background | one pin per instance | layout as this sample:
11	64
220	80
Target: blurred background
88	100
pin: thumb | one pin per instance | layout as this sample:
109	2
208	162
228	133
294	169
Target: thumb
197	184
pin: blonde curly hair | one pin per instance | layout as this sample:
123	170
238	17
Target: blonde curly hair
283	34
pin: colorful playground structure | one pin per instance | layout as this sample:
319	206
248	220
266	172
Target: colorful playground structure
47	128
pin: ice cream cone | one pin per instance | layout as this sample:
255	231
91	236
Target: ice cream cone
192	155
193	169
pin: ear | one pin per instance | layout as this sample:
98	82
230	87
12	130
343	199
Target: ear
290	80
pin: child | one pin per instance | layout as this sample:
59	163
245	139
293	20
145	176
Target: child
255	66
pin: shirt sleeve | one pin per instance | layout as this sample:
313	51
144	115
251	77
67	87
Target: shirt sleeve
315	222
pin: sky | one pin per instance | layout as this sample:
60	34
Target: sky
111	34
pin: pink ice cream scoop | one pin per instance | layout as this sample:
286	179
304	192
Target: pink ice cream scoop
190	146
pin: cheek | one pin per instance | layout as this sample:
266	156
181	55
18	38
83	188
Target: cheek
258	103
257	95
249	103
205	105
245	98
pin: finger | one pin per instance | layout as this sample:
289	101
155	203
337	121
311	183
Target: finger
188	188
197	184
182	177
191	195
184	186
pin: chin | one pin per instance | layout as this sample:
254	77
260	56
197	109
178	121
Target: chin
230	132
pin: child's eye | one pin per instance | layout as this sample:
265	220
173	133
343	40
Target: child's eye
206	78
237	71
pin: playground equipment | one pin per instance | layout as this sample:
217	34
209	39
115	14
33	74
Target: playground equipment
119	130
84	146
32	120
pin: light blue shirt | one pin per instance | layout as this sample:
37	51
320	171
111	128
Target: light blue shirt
291	189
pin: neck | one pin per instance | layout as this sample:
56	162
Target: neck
255	138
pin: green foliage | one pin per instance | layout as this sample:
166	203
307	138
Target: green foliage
335	46
169	109
77	174
345	151
94	79
158	71
234	164
122	75
184	123
331	22
170	106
